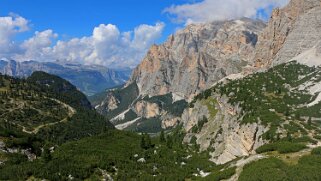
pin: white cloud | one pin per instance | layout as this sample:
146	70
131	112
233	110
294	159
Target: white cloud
106	46
211	10
9	27
38	45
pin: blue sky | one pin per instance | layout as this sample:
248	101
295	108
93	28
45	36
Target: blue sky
76	18
114	33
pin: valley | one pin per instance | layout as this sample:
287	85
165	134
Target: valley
236	99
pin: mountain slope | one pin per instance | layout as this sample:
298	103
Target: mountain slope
172	73
283	104
90	79
43	110
128	110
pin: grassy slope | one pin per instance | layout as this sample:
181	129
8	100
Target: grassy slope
307	168
44	101
115	153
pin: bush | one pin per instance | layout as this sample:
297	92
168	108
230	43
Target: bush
281	147
222	175
308	168
316	151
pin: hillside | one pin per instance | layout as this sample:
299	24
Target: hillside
120	156
90	79
43	110
276	111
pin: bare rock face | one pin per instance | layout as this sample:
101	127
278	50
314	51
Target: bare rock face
147	109
223	134
170	122
196	57
110	103
290	31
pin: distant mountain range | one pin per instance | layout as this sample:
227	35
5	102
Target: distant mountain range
90	79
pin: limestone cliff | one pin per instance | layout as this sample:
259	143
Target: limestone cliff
189	62
221	134
196	57
290	31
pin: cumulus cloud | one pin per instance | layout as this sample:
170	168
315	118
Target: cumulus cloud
9	27
37	46
211	10
107	45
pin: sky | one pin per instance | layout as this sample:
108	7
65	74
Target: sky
113	33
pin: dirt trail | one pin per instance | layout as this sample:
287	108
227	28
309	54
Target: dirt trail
71	112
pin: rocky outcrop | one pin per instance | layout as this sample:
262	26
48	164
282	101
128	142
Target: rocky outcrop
290	31
108	104
147	109
169	121
196	57
223	134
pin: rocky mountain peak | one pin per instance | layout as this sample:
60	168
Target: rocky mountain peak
298	15
197	56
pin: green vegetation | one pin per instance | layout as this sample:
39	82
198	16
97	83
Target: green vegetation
166	103
210	102
24	106
308	168
117	153
281	147
272	98
79	143
221	175
44	109
198	127
150	125
50	118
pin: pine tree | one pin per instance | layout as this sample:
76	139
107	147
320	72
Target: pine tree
169	142
46	156
162	138
289	136
143	142
310	121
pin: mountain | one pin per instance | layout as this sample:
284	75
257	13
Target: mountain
290	31
172	73
261	117
270	119
90	79
196	57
